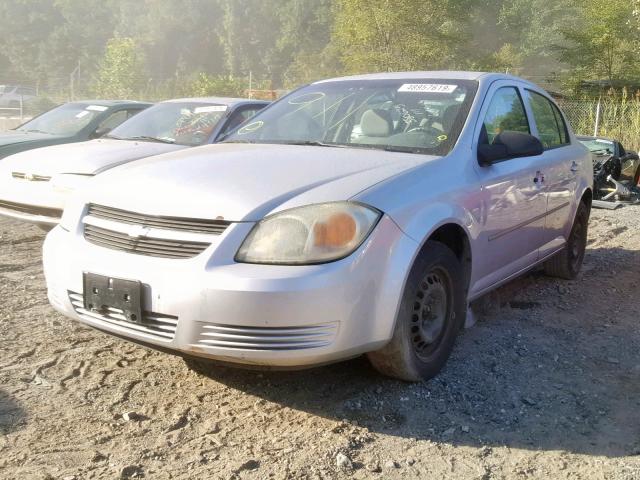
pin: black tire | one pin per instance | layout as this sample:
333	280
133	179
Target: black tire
425	329
568	262
636	178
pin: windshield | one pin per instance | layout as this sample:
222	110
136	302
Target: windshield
189	124
67	119
598	145
421	116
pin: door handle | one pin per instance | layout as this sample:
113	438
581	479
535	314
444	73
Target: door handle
539	178
574	166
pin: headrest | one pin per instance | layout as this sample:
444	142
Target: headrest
376	123
449	116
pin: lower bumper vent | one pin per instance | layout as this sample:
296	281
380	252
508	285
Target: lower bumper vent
157	325
267	338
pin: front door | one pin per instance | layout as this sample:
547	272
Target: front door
514	202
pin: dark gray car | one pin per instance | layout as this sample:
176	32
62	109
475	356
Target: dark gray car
69	123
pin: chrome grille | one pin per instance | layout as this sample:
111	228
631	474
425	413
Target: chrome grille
211	227
266	338
157	325
31	209
31	177
155	247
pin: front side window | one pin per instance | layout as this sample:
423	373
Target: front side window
417	116
505	113
551	127
240	116
182	123
68	119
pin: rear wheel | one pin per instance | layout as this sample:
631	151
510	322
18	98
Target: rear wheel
430	316
567	263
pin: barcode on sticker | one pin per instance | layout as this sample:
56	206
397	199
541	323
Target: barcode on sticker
427	88
211	108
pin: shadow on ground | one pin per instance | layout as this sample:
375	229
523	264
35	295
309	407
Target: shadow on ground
12	416
549	368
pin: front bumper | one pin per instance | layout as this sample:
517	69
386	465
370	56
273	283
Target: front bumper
209	306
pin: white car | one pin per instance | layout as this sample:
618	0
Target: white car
298	242
35	185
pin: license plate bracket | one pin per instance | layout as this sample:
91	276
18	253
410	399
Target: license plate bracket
102	293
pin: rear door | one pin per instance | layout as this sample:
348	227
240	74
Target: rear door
559	167
513	200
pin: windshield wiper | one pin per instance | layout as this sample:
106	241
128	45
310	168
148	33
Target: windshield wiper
36	131
145	138
236	141
314	143
396	148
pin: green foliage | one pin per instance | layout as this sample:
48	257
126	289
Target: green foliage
602	45
217	85
163	45
387	35
121	73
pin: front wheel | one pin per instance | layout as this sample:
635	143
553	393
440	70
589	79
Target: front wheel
431	314
567	263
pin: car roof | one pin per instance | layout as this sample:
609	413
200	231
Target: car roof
111	103
432	75
229	101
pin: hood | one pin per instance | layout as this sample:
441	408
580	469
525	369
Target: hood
13	137
245	182
86	158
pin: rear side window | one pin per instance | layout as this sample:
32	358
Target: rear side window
506	113
551	127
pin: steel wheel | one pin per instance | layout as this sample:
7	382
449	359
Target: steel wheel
430	311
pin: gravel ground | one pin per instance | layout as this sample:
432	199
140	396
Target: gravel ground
546	385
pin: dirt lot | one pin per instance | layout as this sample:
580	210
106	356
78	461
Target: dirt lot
546	385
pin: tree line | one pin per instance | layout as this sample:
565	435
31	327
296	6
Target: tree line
123	47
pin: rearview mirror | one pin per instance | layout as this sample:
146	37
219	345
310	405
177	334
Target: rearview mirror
508	145
100	132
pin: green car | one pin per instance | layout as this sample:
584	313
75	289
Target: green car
69	123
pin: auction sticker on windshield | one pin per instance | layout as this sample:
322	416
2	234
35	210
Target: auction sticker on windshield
427	88
211	108
97	108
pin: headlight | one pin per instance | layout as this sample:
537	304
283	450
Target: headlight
307	235
68	182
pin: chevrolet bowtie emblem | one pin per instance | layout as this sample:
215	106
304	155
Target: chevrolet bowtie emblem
137	231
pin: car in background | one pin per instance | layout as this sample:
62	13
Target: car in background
69	123
13	96
354	215
34	185
625	163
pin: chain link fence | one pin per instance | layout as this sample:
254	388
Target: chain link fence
617	118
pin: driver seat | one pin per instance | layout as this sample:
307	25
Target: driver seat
376	126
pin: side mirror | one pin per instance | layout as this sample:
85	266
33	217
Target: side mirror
630	155
508	145
100	132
